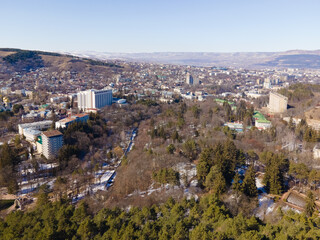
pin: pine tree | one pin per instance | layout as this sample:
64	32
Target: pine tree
299	171
276	166
215	181
175	136
204	165
170	149
241	111
249	183
310	204
219	159
307	136
236	186
162	133
87	229
228	111
17	141
230	153
190	148
314	178
276	181
196	110
7	156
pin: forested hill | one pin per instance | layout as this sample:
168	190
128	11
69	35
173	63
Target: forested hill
26	60
188	219
294	61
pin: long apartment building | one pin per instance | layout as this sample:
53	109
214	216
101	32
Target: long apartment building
64	123
94	99
32	130
51	142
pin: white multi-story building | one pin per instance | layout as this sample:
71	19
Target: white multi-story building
31	134
63	123
189	79
267	83
277	103
52	141
94	99
34	126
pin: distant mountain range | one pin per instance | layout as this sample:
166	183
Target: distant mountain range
288	59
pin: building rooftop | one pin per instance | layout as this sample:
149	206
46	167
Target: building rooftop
33	124
296	200
80	115
73	117
279	95
68	119
52	133
259	117
32	131
222	101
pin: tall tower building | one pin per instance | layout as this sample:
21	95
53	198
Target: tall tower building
196	81
277	103
94	99
189	79
118	78
52	141
267	83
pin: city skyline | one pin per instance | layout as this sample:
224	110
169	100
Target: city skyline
166	26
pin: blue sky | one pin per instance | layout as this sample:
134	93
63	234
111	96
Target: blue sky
160	25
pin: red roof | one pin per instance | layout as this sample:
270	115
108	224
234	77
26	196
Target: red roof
52	133
80	115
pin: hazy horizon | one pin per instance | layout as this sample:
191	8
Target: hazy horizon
83	51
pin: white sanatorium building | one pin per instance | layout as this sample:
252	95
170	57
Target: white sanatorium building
52	141
64	123
94	99
32	130
277	103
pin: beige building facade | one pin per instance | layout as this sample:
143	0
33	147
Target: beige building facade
277	103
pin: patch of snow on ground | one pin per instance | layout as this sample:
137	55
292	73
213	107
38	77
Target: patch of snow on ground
260	185
50	183
27	187
186	170
266	204
287	208
101	180
194	183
